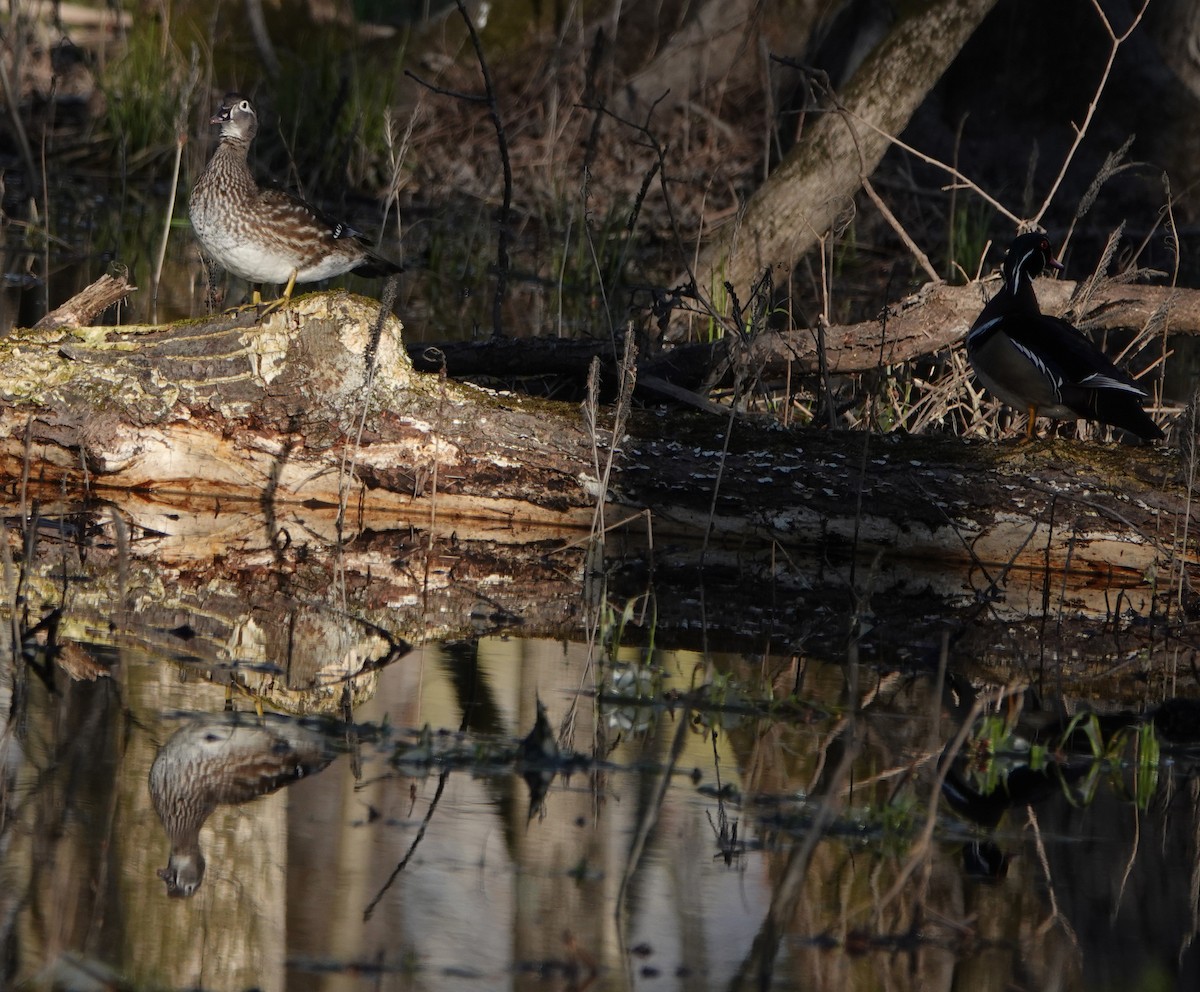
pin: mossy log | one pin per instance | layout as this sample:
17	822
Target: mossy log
317	404
292	414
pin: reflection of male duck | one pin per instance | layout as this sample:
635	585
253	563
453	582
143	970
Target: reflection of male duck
220	759
1177	726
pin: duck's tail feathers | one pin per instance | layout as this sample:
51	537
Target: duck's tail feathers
1122	409
377	266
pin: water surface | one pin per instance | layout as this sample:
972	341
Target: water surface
763	815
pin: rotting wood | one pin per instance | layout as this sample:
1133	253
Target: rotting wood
82	308
1083	509
283	412
281	416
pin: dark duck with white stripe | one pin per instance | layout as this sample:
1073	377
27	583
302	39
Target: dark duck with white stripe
1044	365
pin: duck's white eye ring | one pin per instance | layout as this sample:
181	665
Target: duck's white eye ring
244	105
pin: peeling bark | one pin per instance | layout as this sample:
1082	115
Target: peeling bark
82	308
282	412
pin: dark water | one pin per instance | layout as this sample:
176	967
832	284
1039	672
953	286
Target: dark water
759	816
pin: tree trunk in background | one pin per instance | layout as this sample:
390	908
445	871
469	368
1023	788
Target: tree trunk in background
718	39
802	198
1175	27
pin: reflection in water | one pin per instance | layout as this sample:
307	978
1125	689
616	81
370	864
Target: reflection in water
226	758
778	838
1113	829
539	758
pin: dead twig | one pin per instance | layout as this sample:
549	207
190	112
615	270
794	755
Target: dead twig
1081	129
81	309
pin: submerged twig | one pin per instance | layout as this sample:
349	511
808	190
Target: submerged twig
412	848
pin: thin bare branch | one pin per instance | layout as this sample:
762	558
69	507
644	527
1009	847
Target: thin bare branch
962	181
1081	130
920	256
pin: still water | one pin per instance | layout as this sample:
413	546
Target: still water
229	784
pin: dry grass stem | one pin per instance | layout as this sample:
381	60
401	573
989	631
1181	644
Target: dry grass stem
1111	165
1080	302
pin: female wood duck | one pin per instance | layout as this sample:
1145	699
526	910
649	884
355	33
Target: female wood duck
1044	365
262	234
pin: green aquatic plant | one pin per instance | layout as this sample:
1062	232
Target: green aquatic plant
639	610
896	823
969	222
989	751
1088	725
1146	765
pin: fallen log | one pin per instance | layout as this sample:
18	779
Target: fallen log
319	408
938	316
317	404
934	318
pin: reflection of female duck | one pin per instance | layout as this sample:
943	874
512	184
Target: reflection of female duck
225	758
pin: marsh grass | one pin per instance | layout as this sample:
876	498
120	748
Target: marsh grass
333	106
970	232
144	88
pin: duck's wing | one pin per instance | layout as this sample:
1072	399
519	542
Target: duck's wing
1089	383
1069	354
294	218
324	234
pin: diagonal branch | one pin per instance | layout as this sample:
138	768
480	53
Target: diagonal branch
1081	130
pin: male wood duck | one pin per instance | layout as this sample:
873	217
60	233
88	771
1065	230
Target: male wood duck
262	234
1043	364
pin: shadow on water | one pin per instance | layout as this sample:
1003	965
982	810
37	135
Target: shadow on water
624	788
